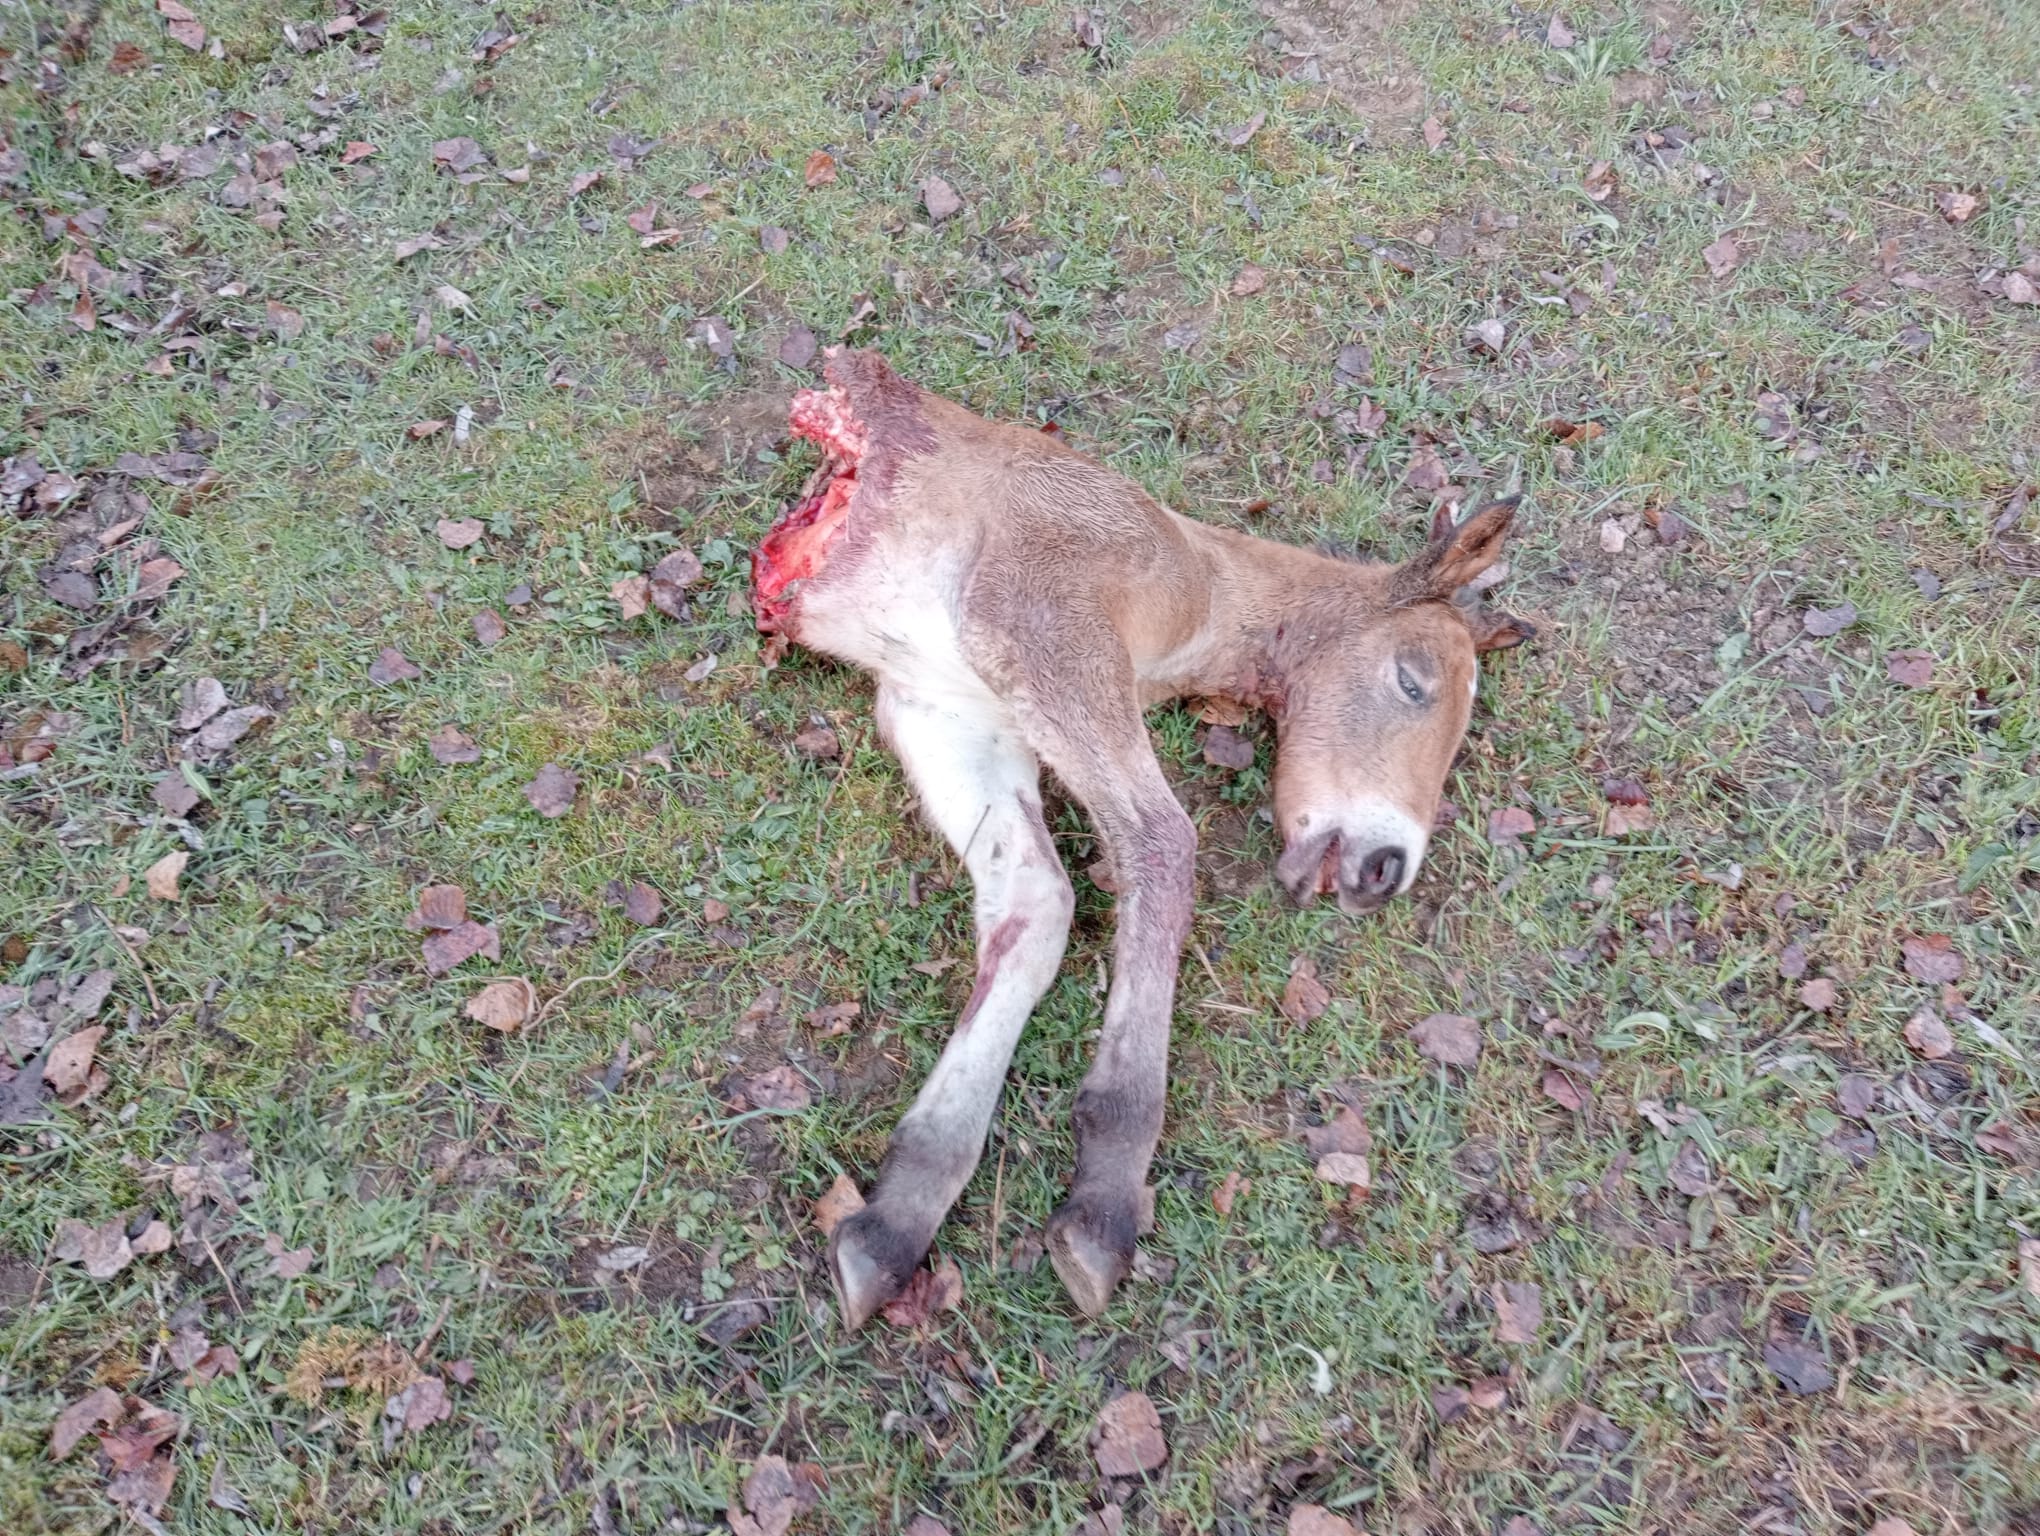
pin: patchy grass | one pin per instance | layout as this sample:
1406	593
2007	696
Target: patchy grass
1846	409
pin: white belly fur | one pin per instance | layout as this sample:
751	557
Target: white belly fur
898	622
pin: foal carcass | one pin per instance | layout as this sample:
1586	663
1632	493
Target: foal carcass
1020	605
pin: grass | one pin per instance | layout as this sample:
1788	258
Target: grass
443	1174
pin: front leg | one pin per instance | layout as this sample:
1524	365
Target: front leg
981	787
1072	687
1118	1115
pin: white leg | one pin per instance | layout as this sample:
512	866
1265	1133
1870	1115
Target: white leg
980	786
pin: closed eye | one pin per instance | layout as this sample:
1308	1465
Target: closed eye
1412	689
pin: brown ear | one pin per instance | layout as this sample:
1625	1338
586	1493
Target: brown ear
1497	631
1458	552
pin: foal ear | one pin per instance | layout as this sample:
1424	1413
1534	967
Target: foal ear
1458	552
1496	631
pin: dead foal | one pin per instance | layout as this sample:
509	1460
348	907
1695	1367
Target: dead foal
1019	605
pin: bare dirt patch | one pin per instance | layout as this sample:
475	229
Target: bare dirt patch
1346	46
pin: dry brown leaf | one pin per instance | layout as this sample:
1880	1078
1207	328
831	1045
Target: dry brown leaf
445	950
1250	280
1229	1190
929	1292
839	1204
552	792
1434	133
102	1250
1910	668
101	1406
503	1005
632	595
781	1088
1723	256
1818	995
1508	827
940	199
450	745
459	533
393	666
1450	1039
1348	1168
163	875
1304	997
1519	1311
1225	747
1932	958
67	1068
1127	1439
1559	1087
1925	1033
821	170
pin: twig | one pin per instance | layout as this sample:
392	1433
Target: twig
998	1204
432	1333
609	975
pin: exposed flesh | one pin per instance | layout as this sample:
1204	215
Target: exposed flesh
797	546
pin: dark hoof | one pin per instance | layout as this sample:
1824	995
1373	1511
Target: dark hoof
870	1263
1092	1250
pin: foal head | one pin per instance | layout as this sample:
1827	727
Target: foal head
1377	694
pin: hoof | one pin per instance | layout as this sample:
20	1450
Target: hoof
870	1263
1091	1252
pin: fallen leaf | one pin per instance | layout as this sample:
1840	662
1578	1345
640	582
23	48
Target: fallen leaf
1823	623
1818	995
230	727
488	626
1434	133
127	59
1925	1033
670	579
450	745
1345	1132
503	1005
1450	1403
1557	34
929	1292
632	595
283	322
1488	335
772	1496
798	348
818	740
838	1205
1127	1439
821	169
1614	539
780	1088
1910	668
641	903
102	1250
773	240
1600	182
142	1474
1229	1190
156	576
1571	434
1958	207
420	1405
1689	1173
182	26
552	792
1932	958
1560	1088
1519	1310
1250	281
1799	1366
1891	1525
1243	135
1225	747
393	666
1316	1520
202	699
1450	1039
940	199
454	946
286	1263
459	533
2029	1265
451	297
1855	1095
2021	289
1347	1168
1507	827
582	182
418	431
222	1494
102	1405
154	1238
461	154
1723	256
163	875
67	1068
1304	997
358	150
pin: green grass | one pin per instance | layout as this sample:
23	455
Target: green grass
443	1173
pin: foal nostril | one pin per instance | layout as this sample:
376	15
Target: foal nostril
1382	873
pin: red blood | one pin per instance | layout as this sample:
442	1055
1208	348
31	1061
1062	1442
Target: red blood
797	545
